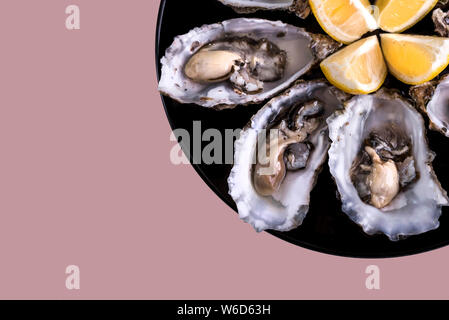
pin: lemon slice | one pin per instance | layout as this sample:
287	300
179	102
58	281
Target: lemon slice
357	69
399	15
415	59
344	20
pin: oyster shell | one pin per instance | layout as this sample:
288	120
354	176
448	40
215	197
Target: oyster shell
441	18
279	199
441	21
433	99
300	7
381	164
239	61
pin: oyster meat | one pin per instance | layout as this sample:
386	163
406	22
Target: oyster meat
279	154
433	99
381	164
239	61
300	7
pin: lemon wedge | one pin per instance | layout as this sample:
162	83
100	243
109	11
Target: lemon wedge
399	15
357	69
344	20
415	59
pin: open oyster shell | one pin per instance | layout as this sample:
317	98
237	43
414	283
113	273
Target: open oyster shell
287	206
301	49
433	99
417	207
300	7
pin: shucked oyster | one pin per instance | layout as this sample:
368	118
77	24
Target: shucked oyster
381	163
300	7
245	62
433	99
278	156
239	61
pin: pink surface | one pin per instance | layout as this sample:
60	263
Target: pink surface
86	179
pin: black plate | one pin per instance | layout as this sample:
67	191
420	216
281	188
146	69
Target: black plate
325	229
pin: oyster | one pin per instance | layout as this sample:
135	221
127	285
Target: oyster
239	61
441	21
441	18
279	154
299	7
433	99
381	163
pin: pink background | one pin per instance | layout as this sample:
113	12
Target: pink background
85	179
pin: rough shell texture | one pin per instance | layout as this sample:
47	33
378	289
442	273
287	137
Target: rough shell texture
300	7
303	51
287	208
432	98
441	21
422	94
415	209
